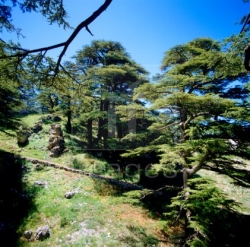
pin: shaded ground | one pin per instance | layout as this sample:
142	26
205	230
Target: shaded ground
15	200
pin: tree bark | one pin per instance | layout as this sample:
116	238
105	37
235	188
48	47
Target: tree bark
103	123
188	172
69	115
89	133
183	118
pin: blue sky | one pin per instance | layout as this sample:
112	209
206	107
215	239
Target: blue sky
146	28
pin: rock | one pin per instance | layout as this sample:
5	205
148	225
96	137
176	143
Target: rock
69	194
55	151
37	127
50	118
28	234
55	118
55	129
56	140
22	135
38	167
42	233
40	183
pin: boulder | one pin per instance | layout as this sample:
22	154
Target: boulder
56	140
28	234
37	127
40	183
69	194
50	118
56	130
22	135
42	233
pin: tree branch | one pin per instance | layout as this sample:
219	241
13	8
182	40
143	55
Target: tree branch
169	187
65	44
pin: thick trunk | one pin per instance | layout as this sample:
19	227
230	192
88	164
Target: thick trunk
119	130
51	104
187	173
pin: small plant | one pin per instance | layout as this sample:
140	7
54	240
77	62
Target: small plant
64	222
105	189
77	164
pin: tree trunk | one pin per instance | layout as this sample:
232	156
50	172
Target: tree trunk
51	103
119	130
100	123
188	172
183	118
105	124
89	133
69	115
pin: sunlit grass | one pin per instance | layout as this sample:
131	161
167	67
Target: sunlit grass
226	184
87	219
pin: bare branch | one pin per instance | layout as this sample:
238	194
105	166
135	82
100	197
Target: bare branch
87	28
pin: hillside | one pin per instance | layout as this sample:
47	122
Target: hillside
98	214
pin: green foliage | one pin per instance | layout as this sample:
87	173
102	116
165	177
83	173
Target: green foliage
53	10
77	164
10	103
201	112
108	75
48	99
9	94
208	207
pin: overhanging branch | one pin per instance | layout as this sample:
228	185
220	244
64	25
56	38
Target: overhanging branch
23	53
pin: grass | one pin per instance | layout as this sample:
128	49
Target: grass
96	216
238	193
88	219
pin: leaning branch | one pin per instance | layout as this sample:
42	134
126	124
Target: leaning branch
65	44
166	187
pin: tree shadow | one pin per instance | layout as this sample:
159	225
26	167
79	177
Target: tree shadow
16	200
233	231
10	122
240	176
75	145
7	133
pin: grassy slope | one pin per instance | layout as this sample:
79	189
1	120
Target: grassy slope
90	219
93	217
